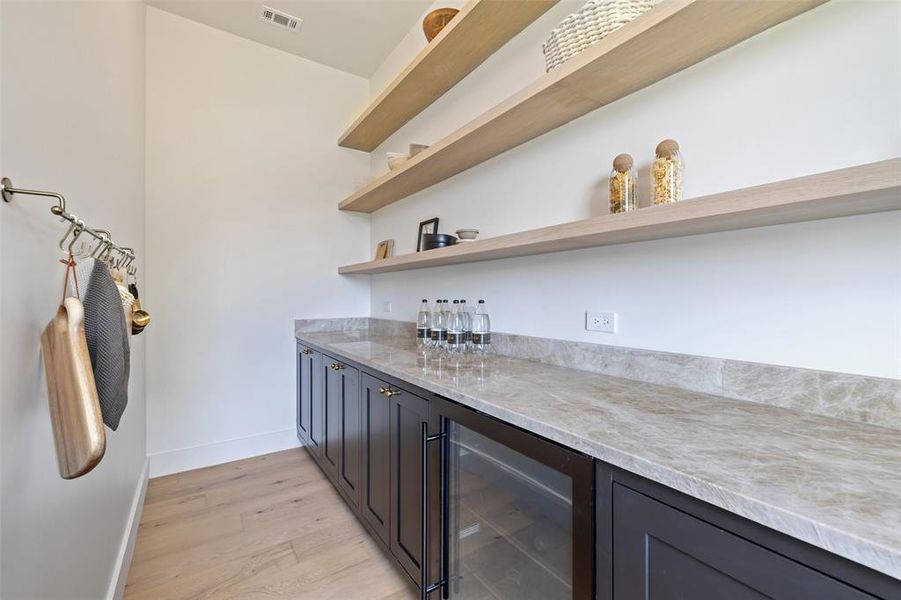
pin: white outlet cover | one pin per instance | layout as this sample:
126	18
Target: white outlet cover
605	322
386	306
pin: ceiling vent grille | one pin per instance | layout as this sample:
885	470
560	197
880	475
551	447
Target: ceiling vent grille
280	19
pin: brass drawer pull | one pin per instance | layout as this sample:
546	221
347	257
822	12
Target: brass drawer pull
389	391
307	351
336	366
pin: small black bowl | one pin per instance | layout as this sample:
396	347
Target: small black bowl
430	241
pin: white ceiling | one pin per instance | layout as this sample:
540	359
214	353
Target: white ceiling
352	35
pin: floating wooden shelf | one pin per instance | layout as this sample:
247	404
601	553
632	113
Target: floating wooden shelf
673	35
474	34
870	188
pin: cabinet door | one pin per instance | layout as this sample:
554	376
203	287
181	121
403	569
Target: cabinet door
331	441
661	553
375	501
408	413
350	474
312	366
304	392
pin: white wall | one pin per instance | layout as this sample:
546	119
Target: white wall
243	177
73	121
817	93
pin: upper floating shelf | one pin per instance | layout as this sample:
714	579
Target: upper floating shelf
673	35
474	34
870	188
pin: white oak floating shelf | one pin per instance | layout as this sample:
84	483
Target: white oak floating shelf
869	188
673	35
475	33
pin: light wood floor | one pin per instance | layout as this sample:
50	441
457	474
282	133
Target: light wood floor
266	527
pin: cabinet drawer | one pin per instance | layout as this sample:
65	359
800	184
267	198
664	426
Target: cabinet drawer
662	553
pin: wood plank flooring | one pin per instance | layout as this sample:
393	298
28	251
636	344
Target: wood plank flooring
266	527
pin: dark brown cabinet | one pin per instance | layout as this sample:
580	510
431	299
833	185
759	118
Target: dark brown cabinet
375	501
661	553
309	399
408	413
342	443
350	460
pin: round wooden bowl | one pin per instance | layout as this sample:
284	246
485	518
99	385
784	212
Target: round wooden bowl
436	20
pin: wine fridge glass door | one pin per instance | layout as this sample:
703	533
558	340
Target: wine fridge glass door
510	522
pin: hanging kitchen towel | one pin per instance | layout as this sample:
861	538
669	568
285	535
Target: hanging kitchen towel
107	337
83	271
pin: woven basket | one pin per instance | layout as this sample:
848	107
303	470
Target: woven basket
591	23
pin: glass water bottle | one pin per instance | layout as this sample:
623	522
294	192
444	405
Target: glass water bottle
455	340
423	329
439	327
481	329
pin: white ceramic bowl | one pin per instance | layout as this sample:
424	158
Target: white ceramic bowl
396	159
467	235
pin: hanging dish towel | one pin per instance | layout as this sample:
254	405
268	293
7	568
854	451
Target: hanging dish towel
107	337
74	408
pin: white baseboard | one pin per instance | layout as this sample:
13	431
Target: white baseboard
127	548
185	459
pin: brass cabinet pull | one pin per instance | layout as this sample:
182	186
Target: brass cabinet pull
383	390
336	366
307	351
388	391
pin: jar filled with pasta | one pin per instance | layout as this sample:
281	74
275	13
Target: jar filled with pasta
622	185
666	173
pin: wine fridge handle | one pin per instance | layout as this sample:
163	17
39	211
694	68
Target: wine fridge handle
426	588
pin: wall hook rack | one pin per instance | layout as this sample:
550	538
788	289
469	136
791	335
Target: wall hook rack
7	190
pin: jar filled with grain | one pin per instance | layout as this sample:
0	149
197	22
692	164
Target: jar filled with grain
622	185
666	173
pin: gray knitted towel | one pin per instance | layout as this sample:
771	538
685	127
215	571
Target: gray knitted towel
104	327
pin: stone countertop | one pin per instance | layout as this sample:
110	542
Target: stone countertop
832	483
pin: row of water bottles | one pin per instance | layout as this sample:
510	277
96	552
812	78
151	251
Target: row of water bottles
453	327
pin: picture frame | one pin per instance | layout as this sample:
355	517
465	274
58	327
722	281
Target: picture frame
385	249
430	226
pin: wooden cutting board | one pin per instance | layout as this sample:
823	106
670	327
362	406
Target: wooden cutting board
74	408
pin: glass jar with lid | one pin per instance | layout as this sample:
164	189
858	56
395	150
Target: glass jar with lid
622	185
666	173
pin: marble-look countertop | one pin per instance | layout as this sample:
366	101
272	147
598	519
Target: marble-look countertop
832	483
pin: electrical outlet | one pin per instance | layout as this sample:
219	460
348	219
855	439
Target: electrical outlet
386	306
600	321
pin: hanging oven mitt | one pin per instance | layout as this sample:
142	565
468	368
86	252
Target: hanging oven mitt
105	330
74	407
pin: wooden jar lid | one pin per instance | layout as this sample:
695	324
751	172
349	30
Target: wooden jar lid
667	148
623	163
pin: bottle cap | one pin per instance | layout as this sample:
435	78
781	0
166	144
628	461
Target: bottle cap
623	162
481	302
456	302
425	300
667	148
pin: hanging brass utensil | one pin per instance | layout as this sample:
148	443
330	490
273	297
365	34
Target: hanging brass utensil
140	318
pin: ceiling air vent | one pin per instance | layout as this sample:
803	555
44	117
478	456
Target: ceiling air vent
280	19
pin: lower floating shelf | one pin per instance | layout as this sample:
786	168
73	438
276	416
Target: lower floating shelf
870	188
